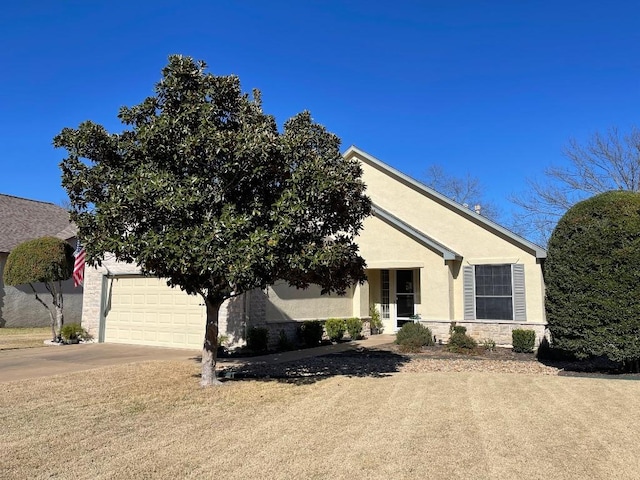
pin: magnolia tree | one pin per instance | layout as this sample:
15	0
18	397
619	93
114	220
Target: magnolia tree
202	189
46	260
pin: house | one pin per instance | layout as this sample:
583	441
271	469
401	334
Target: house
428	258
21	220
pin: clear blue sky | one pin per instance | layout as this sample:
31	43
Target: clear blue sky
491	88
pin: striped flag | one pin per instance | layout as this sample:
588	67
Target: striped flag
78	265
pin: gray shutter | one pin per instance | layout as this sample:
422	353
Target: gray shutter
519	297
469	293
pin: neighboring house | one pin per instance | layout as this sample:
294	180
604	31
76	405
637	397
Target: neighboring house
427	256
22	219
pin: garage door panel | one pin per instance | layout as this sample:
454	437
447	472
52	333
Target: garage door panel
146	311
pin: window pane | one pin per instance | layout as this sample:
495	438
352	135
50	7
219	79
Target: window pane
494	308
493	280
404	305
404	281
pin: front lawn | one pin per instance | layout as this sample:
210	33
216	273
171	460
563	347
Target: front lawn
28	337
151	420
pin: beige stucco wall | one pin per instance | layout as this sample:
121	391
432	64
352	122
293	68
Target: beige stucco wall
462	232
19	307
286	303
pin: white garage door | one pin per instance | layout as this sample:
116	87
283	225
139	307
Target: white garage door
145	311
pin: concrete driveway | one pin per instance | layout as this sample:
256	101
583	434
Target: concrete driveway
56	360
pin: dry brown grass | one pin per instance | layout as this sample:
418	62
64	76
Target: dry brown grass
12	338
151	420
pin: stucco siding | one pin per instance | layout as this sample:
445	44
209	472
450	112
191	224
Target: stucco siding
285	303
462	231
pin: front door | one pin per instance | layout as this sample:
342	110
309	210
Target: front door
405	297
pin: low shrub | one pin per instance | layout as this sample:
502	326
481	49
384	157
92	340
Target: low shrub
284	344
335	328
523	340
457	329
257	339
460	342
354	327
74	333
488	344
375	322
413	336
311	331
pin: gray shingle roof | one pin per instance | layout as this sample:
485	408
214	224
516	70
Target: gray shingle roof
22	219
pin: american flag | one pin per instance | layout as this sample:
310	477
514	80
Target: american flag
78	265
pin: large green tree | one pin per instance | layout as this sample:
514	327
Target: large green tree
46	260
592	273
202	189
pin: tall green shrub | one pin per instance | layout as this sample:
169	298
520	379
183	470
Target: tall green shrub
592	274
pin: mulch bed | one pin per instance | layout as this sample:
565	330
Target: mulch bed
387	359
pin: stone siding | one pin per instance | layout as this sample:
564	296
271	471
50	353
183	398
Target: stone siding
498	331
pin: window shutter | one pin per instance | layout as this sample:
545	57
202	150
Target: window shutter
469	293
519	297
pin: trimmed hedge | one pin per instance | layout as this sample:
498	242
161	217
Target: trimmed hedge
257	339
46	259
311	332
354	327
592	276
335	328
523	340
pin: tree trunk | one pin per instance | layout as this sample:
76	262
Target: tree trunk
59	312
210	348
53	321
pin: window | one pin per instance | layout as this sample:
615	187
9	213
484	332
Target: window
494	292
384	277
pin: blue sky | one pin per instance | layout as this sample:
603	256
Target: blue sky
495	89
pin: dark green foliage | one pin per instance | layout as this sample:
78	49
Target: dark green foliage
354	327
46	259
523	340
592	274
73	333
311	331
459	329
546	351
335	328
413	336
201	188
460	342
284	344
257	339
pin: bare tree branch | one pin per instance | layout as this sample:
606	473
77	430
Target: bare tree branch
605	162
467	190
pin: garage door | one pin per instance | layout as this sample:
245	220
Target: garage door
144	311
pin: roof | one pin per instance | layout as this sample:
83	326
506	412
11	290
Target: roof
22	219
421	237
453	205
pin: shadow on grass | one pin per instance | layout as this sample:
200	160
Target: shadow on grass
352	363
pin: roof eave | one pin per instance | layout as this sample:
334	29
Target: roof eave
353	150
